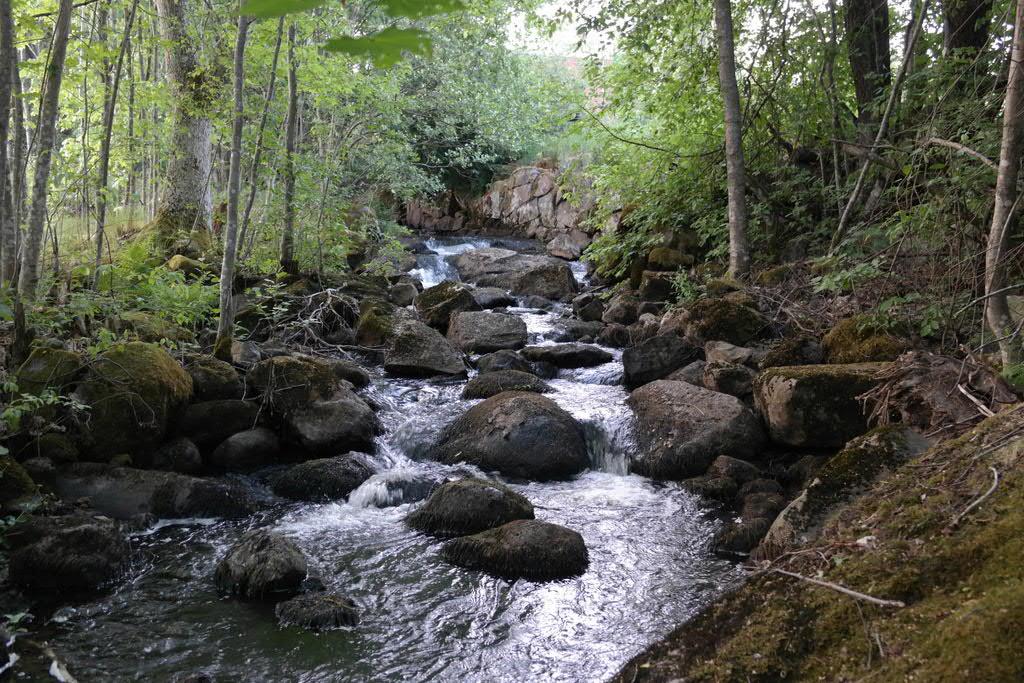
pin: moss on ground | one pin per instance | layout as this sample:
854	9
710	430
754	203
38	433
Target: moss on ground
963	584
725	320
860	339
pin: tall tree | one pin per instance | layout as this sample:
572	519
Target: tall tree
867	38
45	142
288	263
112	85
226	321
965	24
739	250
997	310
8	221
183	216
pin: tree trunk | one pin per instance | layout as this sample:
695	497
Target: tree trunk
288	263
867	37
739	251
965	24
45	141
226	322
8	221
113	82
997	310
258	150
185	210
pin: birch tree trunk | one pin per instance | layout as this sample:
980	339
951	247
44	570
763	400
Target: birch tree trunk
8	221
739	250
109	106
288	263
997	310
185	210
45	141
226	321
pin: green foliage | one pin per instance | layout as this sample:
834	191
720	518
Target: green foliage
841	278
685	288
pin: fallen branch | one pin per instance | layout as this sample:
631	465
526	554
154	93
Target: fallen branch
982	408
979	501
964	149
841	589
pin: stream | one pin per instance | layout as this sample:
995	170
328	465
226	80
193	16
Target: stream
421	619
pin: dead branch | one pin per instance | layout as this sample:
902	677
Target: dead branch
979	501
963	149
841	589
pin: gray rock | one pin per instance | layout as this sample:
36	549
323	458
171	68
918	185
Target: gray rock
213	379
207	424
344	423
421	351
435	305
656	358
468	506
317	611
493	297
588	307
521	274
260	565
692	373
728	378
322	480
486	331
504	360
247	451
178	455
488	384
523	549
571	355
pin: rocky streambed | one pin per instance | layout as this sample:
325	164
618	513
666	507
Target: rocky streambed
423	611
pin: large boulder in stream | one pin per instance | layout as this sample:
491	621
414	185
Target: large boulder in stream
325	479
468	506
656	358
75	552
523	549
504	360
247	451
571	355
421	351
344	423
681	428
133	391
815	406
261	564
521	274
212	378
493	297
290	381
125	492
486	331
436	304
521	435
317	611
489	384
209	423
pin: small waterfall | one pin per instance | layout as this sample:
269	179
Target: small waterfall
433	269
393	487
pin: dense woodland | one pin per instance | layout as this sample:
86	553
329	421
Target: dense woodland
820	193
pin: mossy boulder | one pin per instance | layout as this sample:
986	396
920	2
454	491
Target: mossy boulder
287	382
519	434
720	286
468	506
489	384
724	320
797	350
667	258
48	368
843	476
16	485
771	277
815	406
212	378
150	327
179	263
376	322
133	391
523	549
860	340
435	305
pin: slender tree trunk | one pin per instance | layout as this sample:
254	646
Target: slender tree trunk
226	322
19	189
867	37
739	251
997	310
258	151
45	141
8	220
109	107
288	263
183	217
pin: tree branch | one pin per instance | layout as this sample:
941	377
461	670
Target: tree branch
964	149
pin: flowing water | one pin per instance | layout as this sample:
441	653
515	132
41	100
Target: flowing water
421	619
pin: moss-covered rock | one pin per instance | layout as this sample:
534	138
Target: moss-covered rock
290	381
212	378
959	579
771	277
797	350
860	340
179	263
720	286
133	392
666	258
48	368
150	327
15	484
376	322
489	384
436	304
815	406
724	320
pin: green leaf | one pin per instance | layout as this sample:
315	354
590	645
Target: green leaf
417	9
278	8
385	48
